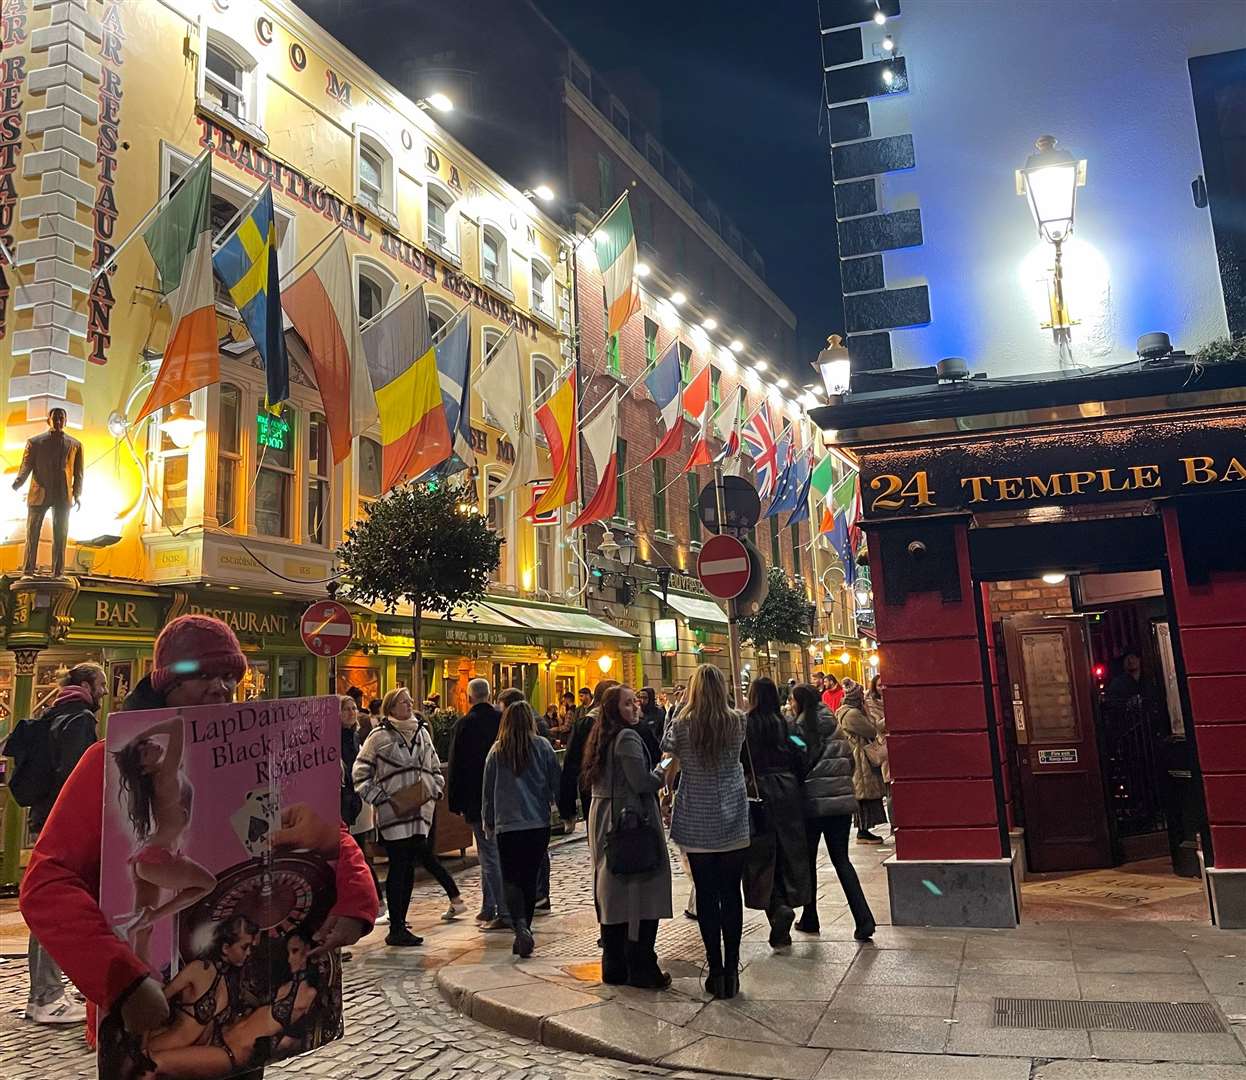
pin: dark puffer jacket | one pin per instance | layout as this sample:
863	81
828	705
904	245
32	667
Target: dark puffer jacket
828	778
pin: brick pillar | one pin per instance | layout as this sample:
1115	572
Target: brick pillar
1209	608
952	865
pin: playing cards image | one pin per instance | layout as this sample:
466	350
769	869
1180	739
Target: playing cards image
221	829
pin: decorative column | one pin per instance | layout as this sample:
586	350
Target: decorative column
1207	565
953	864
57	285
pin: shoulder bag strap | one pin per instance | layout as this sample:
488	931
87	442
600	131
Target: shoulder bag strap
748	754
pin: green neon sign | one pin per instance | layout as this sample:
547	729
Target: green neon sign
272	431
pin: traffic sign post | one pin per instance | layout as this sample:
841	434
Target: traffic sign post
733	614
327	630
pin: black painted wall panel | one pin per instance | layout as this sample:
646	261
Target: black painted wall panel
875	156
859	197
842	47
866	80
887	309
880	232
861	275
850	122
836	13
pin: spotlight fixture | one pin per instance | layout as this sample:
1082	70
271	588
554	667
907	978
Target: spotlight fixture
879	17
1055	578
709	323
761	365
544	192
889	44
678	298
781	383
439	101
736	346
642	269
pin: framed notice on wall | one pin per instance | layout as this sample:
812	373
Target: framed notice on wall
1168	671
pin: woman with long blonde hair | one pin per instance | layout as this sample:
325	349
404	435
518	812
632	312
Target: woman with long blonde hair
520	785
710	821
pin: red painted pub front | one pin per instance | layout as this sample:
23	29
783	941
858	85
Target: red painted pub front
1059	575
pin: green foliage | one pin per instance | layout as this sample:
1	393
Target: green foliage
1222	350
417	546
783	616
441	727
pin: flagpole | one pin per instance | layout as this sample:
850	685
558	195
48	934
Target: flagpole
733	612
402	298
8	255
601	220
174	187
312	251
247	207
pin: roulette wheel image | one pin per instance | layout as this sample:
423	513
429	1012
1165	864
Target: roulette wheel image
278	894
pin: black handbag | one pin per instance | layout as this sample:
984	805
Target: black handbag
758	814
634	845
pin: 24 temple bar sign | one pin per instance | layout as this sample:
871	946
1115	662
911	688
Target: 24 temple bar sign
1100	463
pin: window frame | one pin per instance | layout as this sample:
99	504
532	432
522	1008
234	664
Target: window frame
250	93
363	498
293	416
490	229
539	361
323	480
619	111
386	205
661	519
547	313
451	247
620	488
365	268
694	509
651	342
490	336
230	460
503	575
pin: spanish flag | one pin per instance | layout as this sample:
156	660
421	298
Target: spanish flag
557	418
403	365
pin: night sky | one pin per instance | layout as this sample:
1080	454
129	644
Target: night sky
740	97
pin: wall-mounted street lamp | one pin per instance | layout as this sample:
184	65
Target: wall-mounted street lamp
180	425
438	101
1049	180
835	367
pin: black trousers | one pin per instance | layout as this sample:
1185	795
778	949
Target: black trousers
60	534
521	853
629	961
720	904
835	830
403	857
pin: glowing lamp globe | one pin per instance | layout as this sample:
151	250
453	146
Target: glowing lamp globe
1049	181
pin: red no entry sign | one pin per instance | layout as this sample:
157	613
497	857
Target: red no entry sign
723	567
327	628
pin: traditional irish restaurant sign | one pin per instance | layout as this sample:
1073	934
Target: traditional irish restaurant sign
1144	460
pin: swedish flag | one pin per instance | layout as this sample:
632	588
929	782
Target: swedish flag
247	265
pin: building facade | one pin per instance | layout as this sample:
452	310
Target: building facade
107	104
1053	526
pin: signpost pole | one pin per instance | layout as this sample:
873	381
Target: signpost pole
733	629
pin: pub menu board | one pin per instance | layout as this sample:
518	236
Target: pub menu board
220	838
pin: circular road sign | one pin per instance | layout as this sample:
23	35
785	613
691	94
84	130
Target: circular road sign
723	567
741	505
327	628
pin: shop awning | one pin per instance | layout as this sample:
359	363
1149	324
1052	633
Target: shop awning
694	608
560	626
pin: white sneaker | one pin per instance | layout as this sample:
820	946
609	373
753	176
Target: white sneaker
60	1011
382	919
456	908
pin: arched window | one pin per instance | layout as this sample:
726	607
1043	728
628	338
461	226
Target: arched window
542	279
497	511
228	82
442	220
543	374
377	288
489	338
368	484
229	455
495	258
439	313
374	176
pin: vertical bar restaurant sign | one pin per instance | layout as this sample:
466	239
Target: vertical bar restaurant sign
220	839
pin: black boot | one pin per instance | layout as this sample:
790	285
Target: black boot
808	923
716	984
524	944
781	927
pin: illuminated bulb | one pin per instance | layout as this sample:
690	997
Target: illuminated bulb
873	659
605	663
642	269
709	323
888	76
180	424
600	236
1055	578
736	346
888	44
440	102
781	383
544	192
761	365
751	377
678	298
844	658
880	18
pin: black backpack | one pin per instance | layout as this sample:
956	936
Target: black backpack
34	768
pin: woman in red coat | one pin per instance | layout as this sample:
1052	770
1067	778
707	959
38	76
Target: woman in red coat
198	661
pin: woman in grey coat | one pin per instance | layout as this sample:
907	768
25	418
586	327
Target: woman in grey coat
620	775
829	804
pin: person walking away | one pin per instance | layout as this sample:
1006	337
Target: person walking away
874	710
624	782
45	752
573	791
777	874
398	772
507	698
475	732
832	692
652	723
829	805
357	814
867	773
520	786
710	820
197	661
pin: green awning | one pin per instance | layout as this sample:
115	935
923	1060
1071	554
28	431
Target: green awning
563	626
695	608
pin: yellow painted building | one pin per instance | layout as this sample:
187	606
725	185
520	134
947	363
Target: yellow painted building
102	107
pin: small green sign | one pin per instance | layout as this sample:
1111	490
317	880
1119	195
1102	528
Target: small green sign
272	431
666	635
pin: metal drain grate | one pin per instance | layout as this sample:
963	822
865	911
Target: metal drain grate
1161	1017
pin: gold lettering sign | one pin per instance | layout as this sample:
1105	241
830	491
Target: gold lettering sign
119	613
235	560
246	622
170	558
303	571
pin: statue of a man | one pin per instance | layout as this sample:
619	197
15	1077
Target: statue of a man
55	460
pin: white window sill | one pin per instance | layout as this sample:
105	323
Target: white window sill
223	116
497	287
442	251
384	213
545	317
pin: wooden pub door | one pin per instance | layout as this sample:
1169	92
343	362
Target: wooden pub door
1066	824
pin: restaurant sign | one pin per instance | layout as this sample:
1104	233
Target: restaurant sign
1104	463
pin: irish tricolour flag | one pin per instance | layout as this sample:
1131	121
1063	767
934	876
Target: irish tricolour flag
615	241
180	242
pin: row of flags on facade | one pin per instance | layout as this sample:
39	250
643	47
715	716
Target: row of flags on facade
418	386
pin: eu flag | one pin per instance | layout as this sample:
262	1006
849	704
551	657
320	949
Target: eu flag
246	263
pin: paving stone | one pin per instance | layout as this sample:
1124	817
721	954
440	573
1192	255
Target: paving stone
901	1034
983	987
714	1054
615	1030
894	1000
1132	960
1116	986
459	982
778	978
718	1018
1151	1047
1118	1070
904	968
793	1020
521	1010
866	1065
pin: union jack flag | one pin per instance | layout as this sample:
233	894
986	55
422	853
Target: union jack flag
760	443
